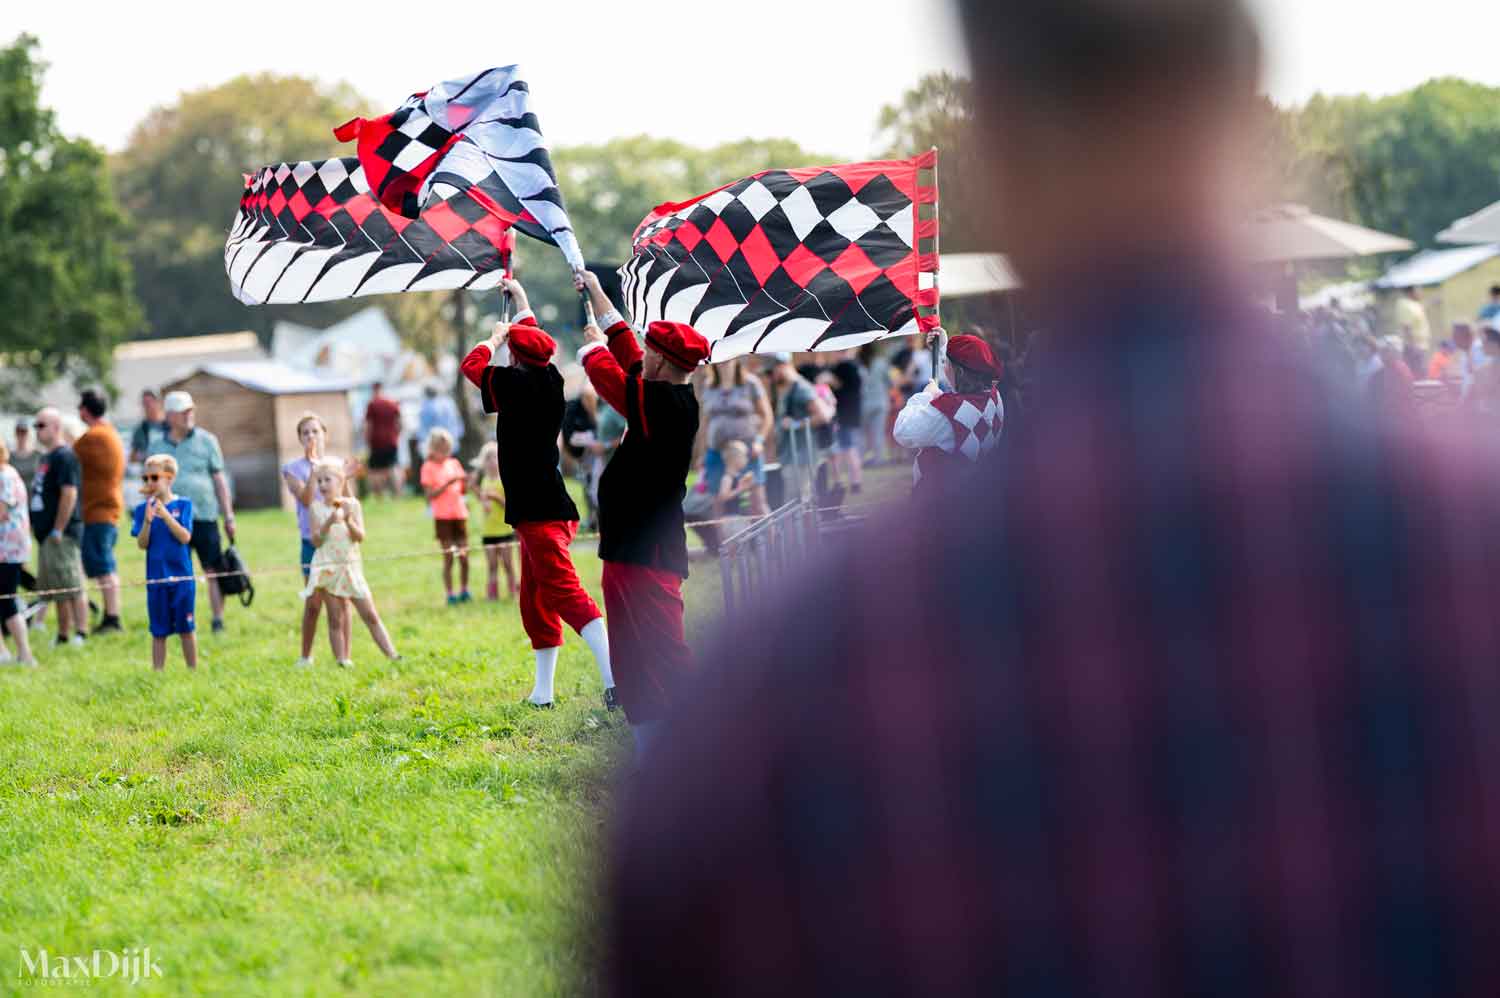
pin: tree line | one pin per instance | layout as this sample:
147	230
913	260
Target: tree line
95	249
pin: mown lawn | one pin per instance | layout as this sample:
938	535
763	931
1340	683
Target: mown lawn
404	828
267	830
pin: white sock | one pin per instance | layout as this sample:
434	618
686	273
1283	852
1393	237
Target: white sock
546	668
598	640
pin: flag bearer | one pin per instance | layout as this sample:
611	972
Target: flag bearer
516	380
953	431
643	536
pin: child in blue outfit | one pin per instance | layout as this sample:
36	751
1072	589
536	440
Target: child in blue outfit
163	527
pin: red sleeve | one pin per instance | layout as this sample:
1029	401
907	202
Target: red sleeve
608	377
529	320
623	344
475	363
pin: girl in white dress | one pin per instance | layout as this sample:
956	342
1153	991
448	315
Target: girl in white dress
338	527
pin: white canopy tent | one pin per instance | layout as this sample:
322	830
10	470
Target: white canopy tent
1481	227
969	275
1293	233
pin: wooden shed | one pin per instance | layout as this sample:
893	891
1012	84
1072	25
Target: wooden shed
253	408
1454	283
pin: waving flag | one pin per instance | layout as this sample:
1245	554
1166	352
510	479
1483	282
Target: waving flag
314	232
475	134
825	258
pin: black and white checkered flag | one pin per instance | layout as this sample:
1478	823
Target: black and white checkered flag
475	134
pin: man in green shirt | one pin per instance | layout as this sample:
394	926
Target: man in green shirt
200	478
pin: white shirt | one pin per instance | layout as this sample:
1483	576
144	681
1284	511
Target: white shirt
919	426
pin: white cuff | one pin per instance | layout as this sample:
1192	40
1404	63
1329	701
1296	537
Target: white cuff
610	319
525	313
501	357
587	349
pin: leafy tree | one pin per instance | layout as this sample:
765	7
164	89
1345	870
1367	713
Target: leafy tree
611	187
939	112
181	174
1410	163
66	281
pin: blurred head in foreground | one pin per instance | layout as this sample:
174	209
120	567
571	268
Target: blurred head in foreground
1111	126
1190	694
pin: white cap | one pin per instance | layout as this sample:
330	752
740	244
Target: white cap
782	358
177	402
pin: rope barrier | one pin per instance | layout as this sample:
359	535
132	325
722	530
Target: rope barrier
276	570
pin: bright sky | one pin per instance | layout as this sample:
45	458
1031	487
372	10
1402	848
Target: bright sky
703	71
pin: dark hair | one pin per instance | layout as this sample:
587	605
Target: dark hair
969	382
1494	290
741	373
1492	335
152	392
1058	50
93	403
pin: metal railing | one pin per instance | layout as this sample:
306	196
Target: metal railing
753	562
795	472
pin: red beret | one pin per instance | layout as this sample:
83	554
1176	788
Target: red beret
683	345
531	345
974	354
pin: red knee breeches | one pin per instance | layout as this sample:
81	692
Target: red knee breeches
647	649
551	594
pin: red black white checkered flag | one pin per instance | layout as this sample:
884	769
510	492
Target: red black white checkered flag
475	134
313	231
825	258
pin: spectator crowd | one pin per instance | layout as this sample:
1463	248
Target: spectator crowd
62	499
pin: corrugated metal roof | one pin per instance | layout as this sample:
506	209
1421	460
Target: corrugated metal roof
271	378
188	346
1435	267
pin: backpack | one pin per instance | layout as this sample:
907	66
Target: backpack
234	579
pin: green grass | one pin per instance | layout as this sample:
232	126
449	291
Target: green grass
404	828
266	830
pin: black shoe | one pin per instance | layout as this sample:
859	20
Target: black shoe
109	625
611	702
218	627
539	706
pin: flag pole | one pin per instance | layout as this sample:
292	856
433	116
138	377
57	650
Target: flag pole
939	349
588	306
505	302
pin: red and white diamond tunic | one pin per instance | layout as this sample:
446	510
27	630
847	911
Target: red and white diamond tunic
948	429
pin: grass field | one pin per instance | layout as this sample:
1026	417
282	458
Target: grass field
396	828
267	830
